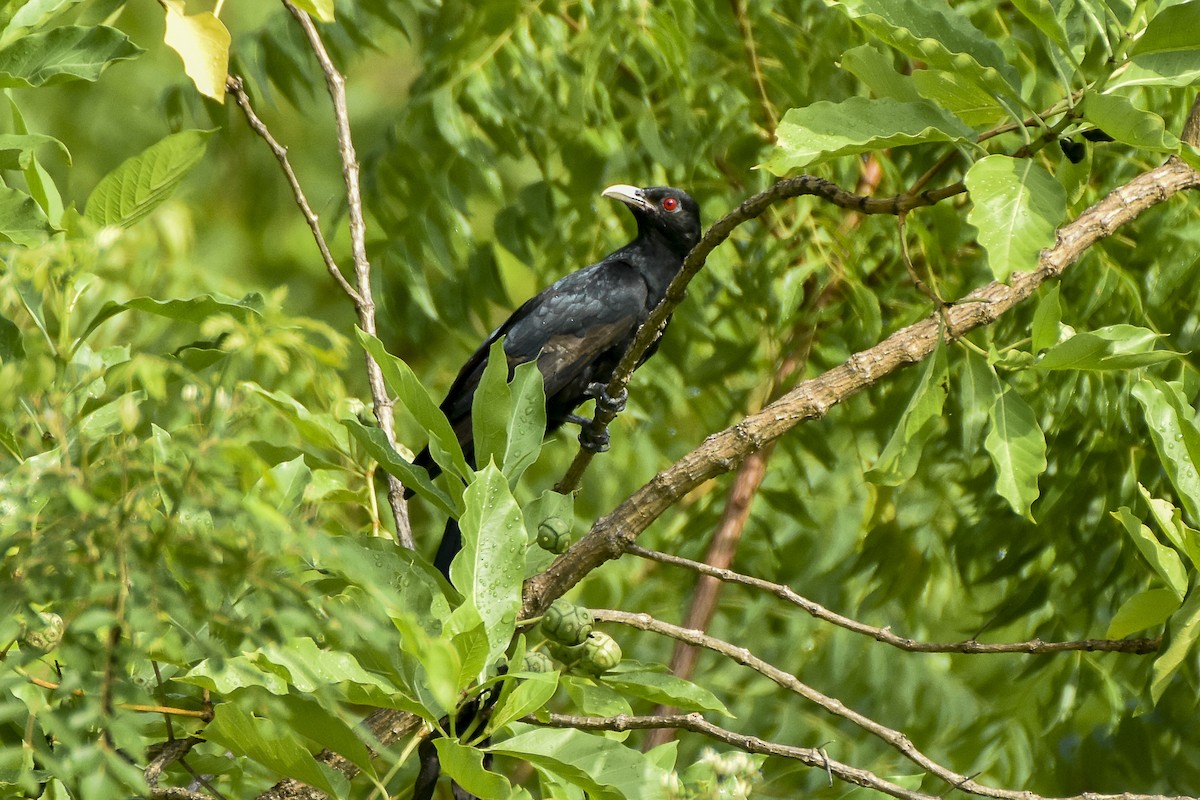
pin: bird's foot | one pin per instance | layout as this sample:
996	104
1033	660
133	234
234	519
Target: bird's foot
592	441
613	405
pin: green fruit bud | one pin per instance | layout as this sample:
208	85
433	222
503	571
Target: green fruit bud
536	661
566	623
45	637
600	653
567	654
554	534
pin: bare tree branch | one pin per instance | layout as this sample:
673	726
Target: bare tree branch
235	86
365	305
812	399
894	738
811	756
885	635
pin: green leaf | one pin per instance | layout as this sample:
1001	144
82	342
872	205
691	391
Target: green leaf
202	41
1170	522
310	719
1120	119
1042	14
318	430
824	130
375	442
11	346
490	407
1147	609
490	567
1171	420
144	182
977	390
465	765
321	9
403	383
532	694
605	769
194	309
1018	450
1170	46
920	420
1184	629
527	421
1047	320
1162	559
16	150
876	70
272	745
1015	206
65	53
37	179
1117	347
22	220
665	689
34	14
934	33
395	578
959	95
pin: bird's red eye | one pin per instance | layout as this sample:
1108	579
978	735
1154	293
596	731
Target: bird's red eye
670	203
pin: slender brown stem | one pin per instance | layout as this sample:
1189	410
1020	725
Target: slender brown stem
336	85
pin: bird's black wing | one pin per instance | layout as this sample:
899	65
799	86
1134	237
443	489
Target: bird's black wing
568	327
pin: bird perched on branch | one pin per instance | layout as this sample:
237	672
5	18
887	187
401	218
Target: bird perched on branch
580	326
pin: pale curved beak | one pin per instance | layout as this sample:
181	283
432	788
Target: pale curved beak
631	196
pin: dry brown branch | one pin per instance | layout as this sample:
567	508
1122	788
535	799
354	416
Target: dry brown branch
894	738
812	399
810	756
885	635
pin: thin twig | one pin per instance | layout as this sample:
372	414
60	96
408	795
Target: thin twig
810	756
894	738
235	86
336	85
885	635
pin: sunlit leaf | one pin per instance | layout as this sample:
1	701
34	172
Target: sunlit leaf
920	420
490	567
1184	628
1018	449
824	130
273	745
1147	609
62	54
605	769
1162	559
144	182
202	41
1015	207
465	765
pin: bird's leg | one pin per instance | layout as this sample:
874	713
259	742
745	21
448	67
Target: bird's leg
597	441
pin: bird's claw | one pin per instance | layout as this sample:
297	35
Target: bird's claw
592	441
614	405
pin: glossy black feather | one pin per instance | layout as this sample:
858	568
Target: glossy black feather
579	327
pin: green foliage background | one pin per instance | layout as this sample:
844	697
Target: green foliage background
176	484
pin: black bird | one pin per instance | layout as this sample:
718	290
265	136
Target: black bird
579	327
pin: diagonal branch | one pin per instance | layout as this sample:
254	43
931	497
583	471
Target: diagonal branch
885	635
812	399
894	738
752	208
811	756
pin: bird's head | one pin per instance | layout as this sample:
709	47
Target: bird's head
662	210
